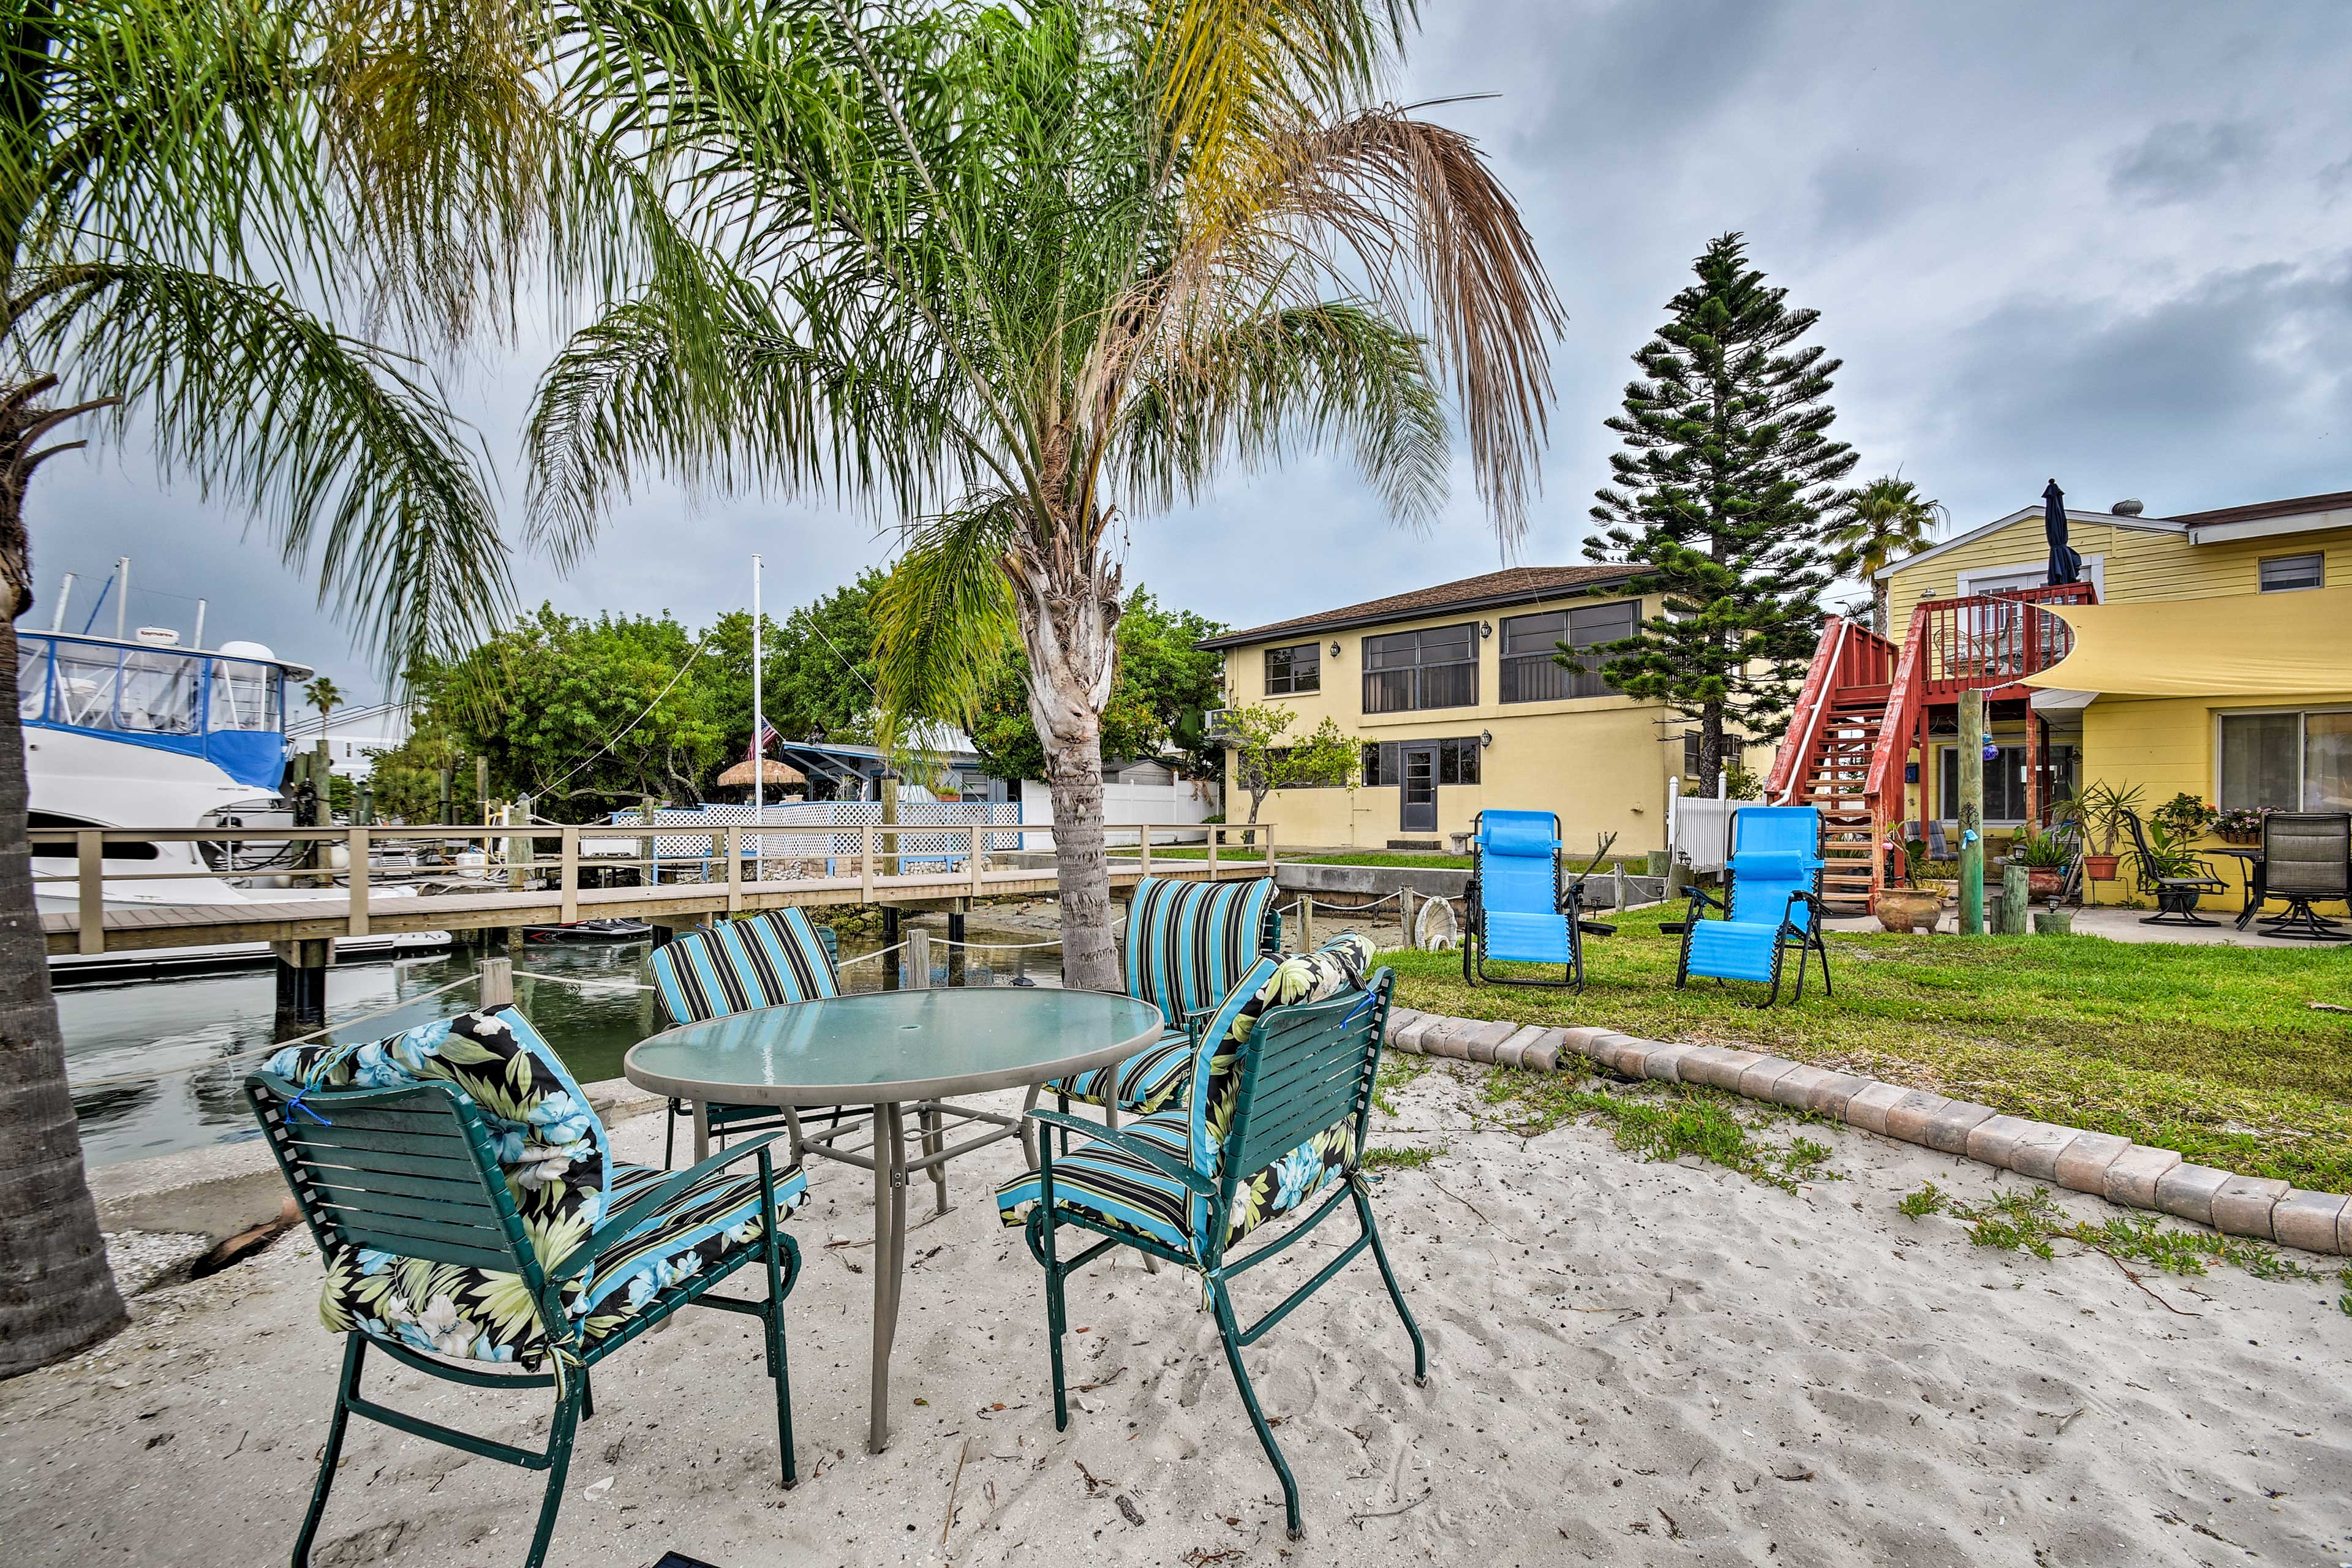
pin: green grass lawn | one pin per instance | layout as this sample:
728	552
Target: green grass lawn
2213	1051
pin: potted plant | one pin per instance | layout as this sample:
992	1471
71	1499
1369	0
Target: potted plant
2099	809
2043	856
2184	818
2243	825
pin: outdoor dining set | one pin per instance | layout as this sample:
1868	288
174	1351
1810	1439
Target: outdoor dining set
476	1227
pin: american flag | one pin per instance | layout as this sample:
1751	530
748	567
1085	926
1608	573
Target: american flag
767	737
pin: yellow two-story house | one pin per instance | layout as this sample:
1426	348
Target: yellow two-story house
1459	705
2216	661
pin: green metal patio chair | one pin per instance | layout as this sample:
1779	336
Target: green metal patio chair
1281	1104
463	1202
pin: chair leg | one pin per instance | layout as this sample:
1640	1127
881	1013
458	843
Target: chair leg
778	1370
1828	992
346	1390
1388	1276
1221	1303
559	1461
934	1140
1055	1314
587	1397
669	1139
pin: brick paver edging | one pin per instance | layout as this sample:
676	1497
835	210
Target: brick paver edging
2099	1163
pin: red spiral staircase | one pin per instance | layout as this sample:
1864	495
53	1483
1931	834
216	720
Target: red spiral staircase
1865	707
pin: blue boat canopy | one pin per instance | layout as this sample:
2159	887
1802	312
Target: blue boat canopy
227	710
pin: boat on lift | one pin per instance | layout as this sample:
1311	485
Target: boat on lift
137	730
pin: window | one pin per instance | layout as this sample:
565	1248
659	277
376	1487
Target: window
1432	669
1529	671
2005	782
1455	763
2285	573
1690	755
1291	670
2288	761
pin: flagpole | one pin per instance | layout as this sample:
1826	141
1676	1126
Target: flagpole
759	751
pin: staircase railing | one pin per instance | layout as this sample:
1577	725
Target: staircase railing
1848	655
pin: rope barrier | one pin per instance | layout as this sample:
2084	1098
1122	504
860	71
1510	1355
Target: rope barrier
995	946
877	953
586	984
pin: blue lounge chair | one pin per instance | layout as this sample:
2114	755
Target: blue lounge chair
1771	902
1519	912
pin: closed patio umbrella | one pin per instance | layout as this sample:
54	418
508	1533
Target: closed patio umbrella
2065	566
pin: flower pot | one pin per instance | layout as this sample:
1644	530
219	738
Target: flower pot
2239	837
1910	909
2040	882
2100	868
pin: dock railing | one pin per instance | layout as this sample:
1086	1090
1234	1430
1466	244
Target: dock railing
509	854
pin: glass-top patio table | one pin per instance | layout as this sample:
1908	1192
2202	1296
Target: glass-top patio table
893	1050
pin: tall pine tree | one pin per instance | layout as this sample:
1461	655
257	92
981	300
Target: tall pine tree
1720	497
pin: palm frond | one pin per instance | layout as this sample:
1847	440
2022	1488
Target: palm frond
944	620
1335	370
347	451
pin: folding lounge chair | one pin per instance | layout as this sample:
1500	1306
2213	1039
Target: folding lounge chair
1280	1102
766	959
1517	910
1771	902
476	1229
2306	860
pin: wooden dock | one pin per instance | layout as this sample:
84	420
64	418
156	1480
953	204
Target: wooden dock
95	927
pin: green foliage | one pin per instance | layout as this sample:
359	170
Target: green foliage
818	669
1263	764
324	695
2039	851
2100	808
1407	1158
1882	521
1667	1123
2028	1219
2213	1051
1163	686
2185	816
1718	498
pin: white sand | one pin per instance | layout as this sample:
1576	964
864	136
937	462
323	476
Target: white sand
1632	1363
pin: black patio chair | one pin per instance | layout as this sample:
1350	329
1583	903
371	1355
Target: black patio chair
2306	860
2176	885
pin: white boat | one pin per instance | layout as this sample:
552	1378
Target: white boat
140	731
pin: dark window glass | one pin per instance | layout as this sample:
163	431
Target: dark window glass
1690	753
2004	785
1290	670
1432	669
1530	669
2285	573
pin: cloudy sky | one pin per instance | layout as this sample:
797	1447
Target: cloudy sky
2111	242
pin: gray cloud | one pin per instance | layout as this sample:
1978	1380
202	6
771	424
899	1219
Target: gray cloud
2080	241
2179	162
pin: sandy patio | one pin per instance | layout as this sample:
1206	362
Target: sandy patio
1631	1364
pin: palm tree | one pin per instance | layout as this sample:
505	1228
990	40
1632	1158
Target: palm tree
325	696
176	176
1007	276
1882	521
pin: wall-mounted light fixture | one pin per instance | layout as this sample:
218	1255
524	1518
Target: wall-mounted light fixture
1486	737
1335	647
1486	628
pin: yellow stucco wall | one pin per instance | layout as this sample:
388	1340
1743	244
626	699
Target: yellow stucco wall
2164	745
1601	762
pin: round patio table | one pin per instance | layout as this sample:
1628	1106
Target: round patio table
891	1050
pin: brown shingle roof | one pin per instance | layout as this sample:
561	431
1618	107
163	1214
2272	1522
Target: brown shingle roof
2291	507
1512	586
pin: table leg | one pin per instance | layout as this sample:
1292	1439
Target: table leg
889	1258
701	1132
934	1140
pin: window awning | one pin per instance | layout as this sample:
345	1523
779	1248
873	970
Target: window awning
2240	644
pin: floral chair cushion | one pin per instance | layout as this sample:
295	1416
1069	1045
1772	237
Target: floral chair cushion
558	1166
1124	1192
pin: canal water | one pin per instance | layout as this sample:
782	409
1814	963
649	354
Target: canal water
157	1064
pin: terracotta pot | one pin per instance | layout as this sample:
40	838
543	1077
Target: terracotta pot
1910	909
2041	883
2239	837
2100	868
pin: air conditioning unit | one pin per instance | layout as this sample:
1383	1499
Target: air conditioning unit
1216	724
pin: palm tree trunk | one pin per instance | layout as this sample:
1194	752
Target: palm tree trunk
1068	611
56	1292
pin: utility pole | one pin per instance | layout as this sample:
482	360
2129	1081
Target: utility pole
1972	735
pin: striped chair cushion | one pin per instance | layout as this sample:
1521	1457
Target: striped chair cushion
765	960
1149	1081
1112	1187
1187	944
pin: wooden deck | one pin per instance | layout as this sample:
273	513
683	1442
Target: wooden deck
133	927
